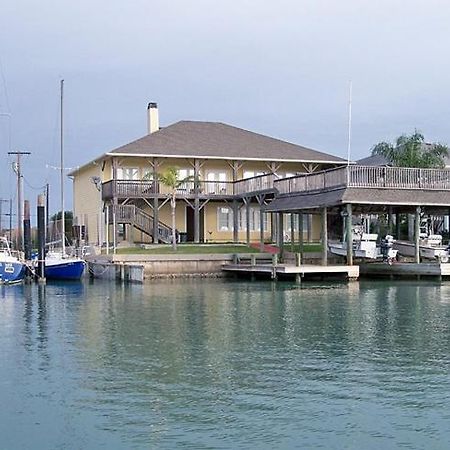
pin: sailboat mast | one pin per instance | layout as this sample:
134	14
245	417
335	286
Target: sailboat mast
63	224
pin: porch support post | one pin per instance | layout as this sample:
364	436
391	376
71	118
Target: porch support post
273	227
324	237
235	207
417	235
300	236
196	203
247	220
397	226
292	231
390	221
348	234
281	234
309	228
155	201
261	227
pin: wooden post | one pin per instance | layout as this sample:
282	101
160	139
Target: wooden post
292	231
247	220
417	235
281	234
397	226
349	234
261	227
390	221
273	228
324	237
235	207
300	235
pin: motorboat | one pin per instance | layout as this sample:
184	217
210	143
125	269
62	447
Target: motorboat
364	246
430	247
12	268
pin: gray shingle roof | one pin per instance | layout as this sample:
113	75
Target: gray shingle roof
218	140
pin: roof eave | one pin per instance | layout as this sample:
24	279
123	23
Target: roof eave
239	158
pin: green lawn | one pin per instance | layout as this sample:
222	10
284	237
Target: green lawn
307	248
187	249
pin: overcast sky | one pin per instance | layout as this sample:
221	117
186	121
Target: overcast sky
279	68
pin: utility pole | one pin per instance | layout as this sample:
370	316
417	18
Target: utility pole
18	171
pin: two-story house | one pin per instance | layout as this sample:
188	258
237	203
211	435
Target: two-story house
229	176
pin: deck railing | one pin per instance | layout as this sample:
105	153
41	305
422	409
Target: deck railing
255	184
367	177
143	189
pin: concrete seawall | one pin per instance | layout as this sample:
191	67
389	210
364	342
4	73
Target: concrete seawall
140	267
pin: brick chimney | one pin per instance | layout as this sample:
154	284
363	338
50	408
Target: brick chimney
152	117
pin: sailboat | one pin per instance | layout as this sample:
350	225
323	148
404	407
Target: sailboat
12	269
58	264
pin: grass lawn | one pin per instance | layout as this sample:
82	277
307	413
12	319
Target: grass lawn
307	248
187	249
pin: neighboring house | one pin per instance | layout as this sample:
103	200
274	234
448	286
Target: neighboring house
232	174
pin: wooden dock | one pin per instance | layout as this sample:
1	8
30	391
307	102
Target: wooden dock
406	270
292	270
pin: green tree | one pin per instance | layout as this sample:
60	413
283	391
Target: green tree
68	222
170	179
412	151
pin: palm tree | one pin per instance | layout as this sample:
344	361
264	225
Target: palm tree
413	151
170	179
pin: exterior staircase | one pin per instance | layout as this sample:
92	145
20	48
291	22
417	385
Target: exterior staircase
139	219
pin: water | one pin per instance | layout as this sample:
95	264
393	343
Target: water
213	364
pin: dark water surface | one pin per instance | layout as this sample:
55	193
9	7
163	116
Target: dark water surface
213	364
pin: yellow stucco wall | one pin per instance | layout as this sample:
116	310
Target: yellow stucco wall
87	201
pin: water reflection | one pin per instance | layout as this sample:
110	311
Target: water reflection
236	364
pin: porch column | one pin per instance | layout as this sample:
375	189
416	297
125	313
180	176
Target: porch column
273	227
261	227
397	226
390	221
348	234
309	228
196	203
300	236
292	231
155	201
281	234
417	235
324	237
235	207
247	220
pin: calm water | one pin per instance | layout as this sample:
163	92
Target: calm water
212	364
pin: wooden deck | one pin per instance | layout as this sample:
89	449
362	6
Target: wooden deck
304	270
406	270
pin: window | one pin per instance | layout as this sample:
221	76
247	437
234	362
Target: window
252	173
216	182
128	173
224	218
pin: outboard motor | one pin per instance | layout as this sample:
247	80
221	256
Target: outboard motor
387	250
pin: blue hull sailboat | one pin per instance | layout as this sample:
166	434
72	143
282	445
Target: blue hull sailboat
59	265
12	270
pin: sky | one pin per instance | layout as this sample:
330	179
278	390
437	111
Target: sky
278	68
